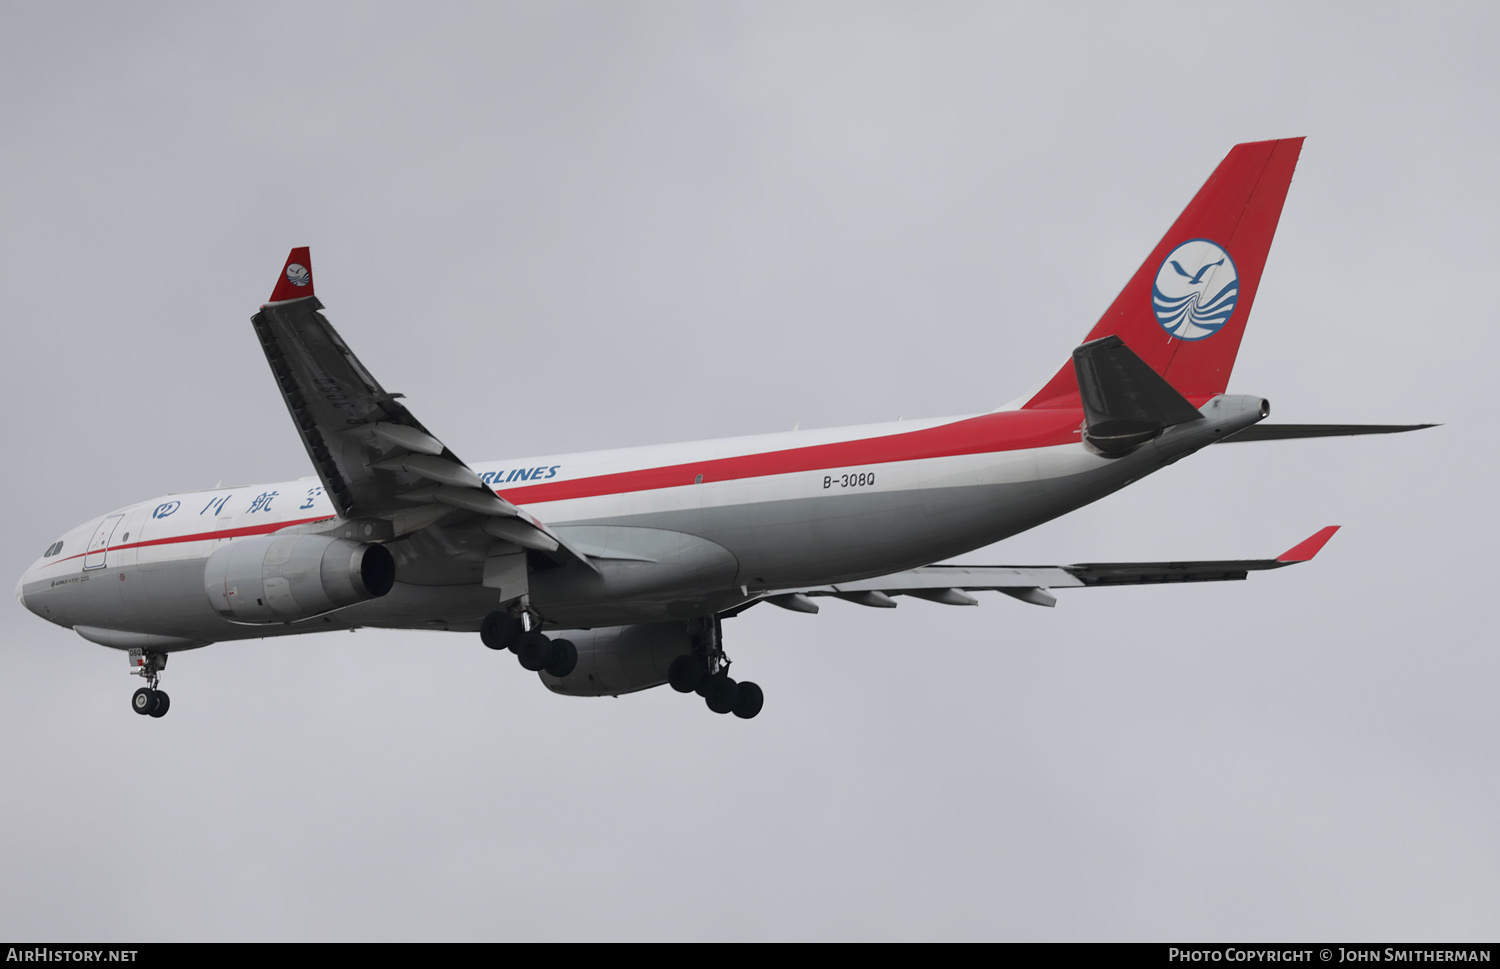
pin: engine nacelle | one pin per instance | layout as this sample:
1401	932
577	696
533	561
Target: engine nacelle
283	578
621	659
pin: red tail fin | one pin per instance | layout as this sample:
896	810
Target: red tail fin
295	280
1184	311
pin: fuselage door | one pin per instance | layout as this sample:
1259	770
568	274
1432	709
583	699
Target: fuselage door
99	544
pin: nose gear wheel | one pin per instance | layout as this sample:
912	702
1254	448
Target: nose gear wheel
149	701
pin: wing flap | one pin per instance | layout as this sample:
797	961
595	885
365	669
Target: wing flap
1032	583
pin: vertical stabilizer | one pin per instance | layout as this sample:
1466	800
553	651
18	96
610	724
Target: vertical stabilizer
1184	311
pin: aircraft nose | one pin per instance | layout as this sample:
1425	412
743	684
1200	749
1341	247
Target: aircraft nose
31	607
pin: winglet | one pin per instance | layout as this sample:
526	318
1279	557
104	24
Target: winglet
1305	550
296	279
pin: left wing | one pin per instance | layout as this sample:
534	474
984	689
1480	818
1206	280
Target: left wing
949	584
378	464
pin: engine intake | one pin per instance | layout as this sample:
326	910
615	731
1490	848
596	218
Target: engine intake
283	578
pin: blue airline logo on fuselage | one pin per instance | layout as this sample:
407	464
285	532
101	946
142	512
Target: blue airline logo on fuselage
519	474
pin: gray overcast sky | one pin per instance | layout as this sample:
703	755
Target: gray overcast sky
568	226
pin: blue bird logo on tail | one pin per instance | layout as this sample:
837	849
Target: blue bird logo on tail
1193	278
1196	290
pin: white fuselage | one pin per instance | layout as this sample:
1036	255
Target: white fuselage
676	530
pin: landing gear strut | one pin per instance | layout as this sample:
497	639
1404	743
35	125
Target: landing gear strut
519	629
148	700
705	671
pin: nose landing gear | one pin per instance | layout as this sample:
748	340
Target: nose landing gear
149	701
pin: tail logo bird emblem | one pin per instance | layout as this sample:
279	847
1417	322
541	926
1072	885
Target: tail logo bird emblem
1196	289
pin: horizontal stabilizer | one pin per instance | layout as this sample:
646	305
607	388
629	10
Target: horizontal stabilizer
1286	432
1125	402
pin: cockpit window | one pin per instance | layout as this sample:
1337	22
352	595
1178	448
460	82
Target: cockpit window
52	550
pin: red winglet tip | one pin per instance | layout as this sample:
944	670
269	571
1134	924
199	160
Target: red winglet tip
296	279
1305	550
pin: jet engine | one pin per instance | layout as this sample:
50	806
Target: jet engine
621	659
283	578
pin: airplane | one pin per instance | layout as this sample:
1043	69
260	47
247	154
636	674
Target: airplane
612	572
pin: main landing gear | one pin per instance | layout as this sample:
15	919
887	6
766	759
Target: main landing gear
148	701
705	671
521	633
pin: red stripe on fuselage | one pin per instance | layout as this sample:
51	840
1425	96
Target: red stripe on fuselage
265	529
988	433
1006	431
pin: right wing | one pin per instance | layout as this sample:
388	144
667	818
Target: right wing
949	584
378	464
